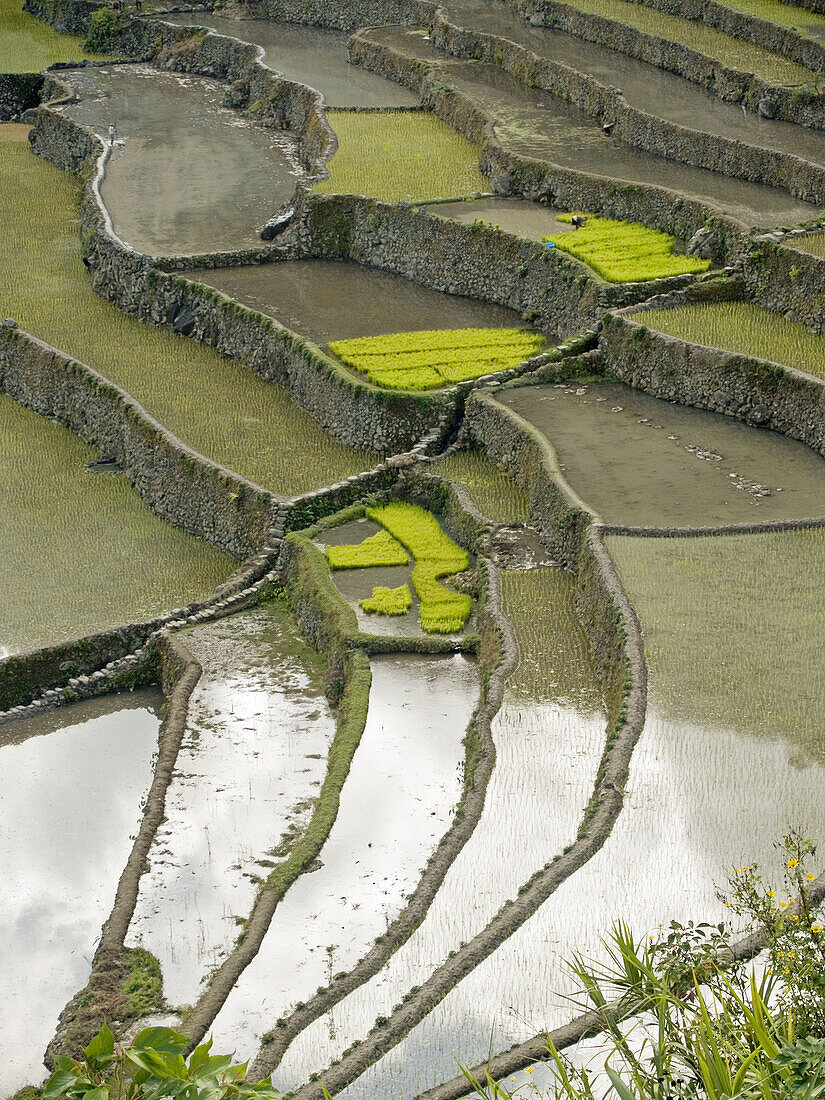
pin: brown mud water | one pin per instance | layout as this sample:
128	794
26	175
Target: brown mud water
186	175
533	123
59	862
315	56
328	300
517	216
644	86
248	772
640	461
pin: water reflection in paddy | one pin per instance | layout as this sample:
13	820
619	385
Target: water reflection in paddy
250	767
328	300
316	56
398	800
190	176
549	736
517	216
641	461
732	754
59	863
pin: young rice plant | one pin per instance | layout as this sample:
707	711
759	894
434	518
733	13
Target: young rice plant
388	601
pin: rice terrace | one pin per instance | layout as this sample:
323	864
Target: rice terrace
412	479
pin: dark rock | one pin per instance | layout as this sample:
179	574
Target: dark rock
237	94
184	322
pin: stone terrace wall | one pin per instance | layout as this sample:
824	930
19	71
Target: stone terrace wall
67	16
739	24
770	100
635	127
18	92
203	498
543	181
763	394
785	280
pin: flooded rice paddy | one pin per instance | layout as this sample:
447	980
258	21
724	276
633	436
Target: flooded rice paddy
81	552
60	864
328	300
533	123
251	765
743	327
400	157
490	489
214	404
27	45
517	216
644	86
316	56
549	736
640	461
186	174
399	798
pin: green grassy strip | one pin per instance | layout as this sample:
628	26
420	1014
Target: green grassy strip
442	610
388	601
28	45
625	252
422	360
378	549
777	11
745	328
400	156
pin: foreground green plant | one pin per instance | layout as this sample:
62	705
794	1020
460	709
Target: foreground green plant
681	1017
442	610
424	359
399	156
625	252
388	601
151	1067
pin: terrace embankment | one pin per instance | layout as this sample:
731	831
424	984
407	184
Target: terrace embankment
646	107
527	147
756	391
787	278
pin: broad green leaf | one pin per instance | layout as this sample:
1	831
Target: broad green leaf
102	1046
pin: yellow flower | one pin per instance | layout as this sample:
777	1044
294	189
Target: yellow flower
771	893
793	862
816	927
810	877
529	1069
783	905
793	917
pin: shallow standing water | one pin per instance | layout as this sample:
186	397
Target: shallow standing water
316	56
732	754
517	216
190	176
549	737
532	123
60	863
638	460
250	767
398	800
328	300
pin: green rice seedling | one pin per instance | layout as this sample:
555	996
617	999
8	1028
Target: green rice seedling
802	20
442	609
428	358
61	519
624	252
400	156
734	52
814	245
388	601
28	45
745	328
490	489
216	405
378	549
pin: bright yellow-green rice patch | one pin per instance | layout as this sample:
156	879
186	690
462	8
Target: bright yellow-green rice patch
400	156
388	601
425	359
442	610
28	45
378	549
626	252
